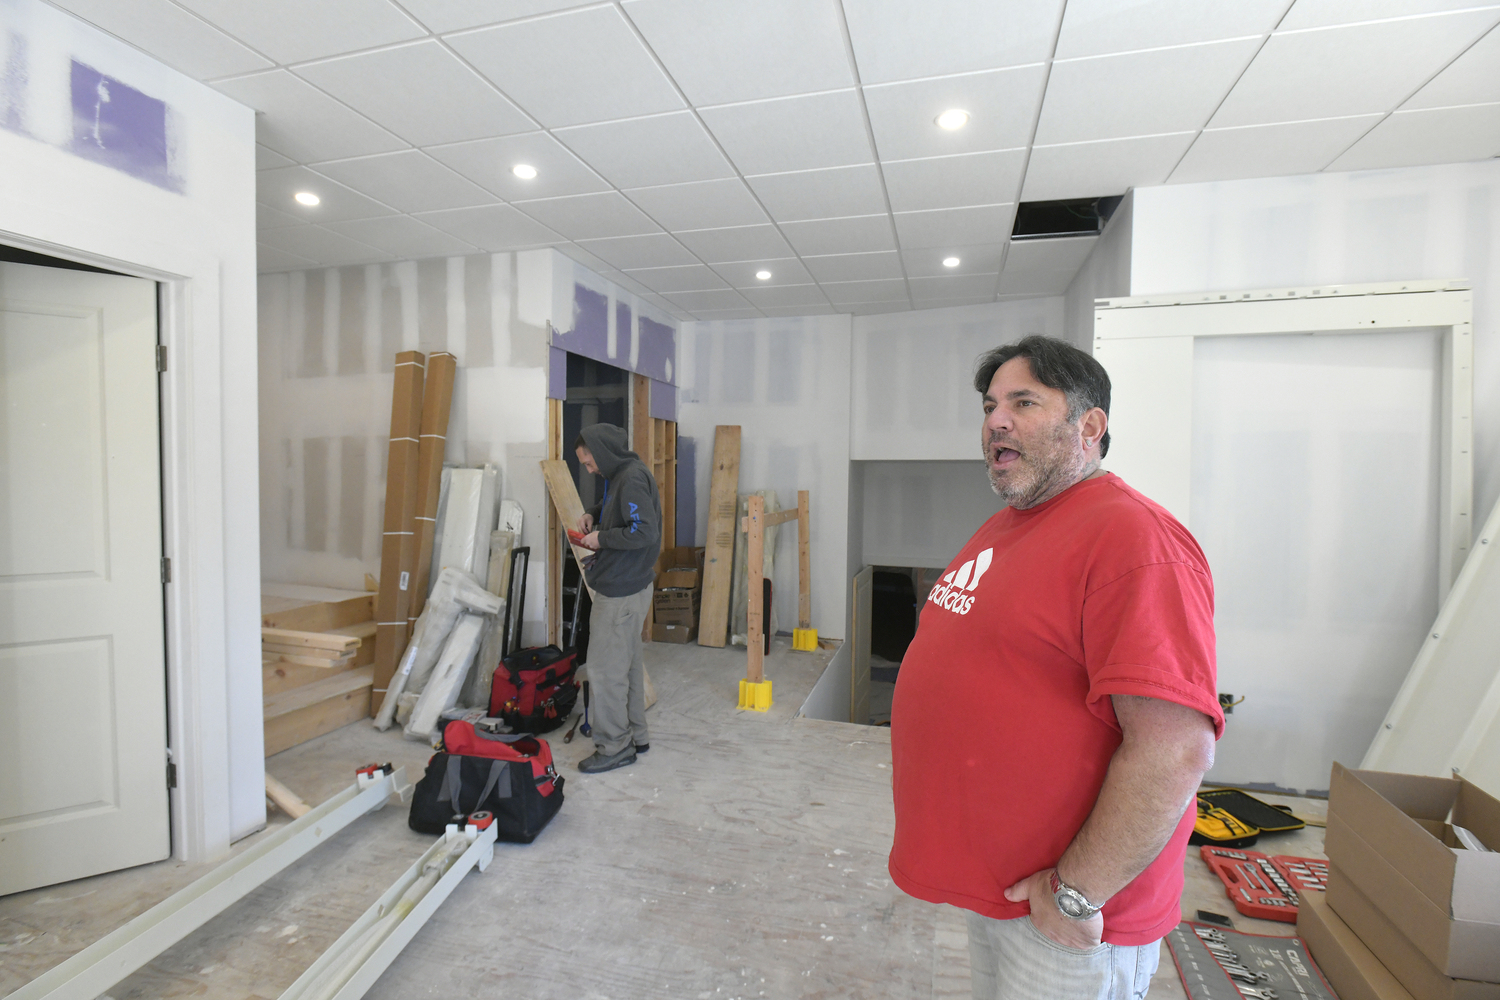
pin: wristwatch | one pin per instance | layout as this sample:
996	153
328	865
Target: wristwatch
1070	901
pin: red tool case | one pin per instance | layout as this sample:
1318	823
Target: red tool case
1263	886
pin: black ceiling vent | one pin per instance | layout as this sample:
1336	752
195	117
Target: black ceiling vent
1043	220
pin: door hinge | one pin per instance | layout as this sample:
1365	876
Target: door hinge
166	569
161	357
171	774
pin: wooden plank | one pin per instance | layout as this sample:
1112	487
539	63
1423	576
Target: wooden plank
292	699
669	486
754	633
804	559
307	652
286	731
281	675
565	500
780	517
285	799
361	630
306	661
437	406
555	534
319	640
323	617
718	562
398	548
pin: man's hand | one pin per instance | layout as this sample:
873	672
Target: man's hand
1047	918
585	524
591	540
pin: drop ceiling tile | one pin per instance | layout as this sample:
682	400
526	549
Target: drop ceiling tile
1001	103
952	285
695	301
861	234
1472	78
172	35
271	259
492	227
420	92
785	296
599	266
984	258
1040	256
571	68
1439	135
488	163
855	266
700	204
716	246
901	40
849	293
1321	13
590	216
726	52
687	278
818	310
292	30
1337	72
821	194
408	181
269	218
454	15
792	133
403	237
318	244
950	301
338	203
652	250
266	158
784	271
954	226
1140	93
714	315
304	123
1280	150
1098	27
1030	283
876	308
1095	169
954	181
646	152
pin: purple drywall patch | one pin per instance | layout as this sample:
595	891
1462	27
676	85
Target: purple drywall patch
120	127
658	351
663	401
13	85
557	373
590	334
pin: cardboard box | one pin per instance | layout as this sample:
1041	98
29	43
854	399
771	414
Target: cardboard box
1387	833
680	568
1410	967
1350	968
673	633
677	607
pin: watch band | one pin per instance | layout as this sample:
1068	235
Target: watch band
1070	902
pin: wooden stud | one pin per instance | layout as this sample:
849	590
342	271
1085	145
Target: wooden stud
554	529
324	616
804	560
437	407
398	549
754	632
669	485
718	561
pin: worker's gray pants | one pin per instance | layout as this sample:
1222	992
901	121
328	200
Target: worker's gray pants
617	674
1012	960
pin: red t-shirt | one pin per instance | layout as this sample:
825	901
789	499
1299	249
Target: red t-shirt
1002	726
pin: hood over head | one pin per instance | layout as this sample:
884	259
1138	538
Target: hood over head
607	444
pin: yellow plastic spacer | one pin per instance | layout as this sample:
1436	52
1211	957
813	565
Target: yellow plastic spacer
755	697
805	639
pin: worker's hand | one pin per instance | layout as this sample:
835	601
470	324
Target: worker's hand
591	540
585	524
1081	935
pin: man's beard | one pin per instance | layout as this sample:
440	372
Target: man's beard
1040	474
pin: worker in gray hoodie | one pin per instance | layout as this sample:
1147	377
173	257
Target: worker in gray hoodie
625	531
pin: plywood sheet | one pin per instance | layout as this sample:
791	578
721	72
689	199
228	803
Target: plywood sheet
718	563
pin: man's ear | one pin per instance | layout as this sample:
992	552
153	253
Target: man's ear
1092	427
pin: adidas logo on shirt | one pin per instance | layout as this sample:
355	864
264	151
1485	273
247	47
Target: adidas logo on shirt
953	592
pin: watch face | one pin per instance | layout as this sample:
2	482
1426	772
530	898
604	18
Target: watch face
1071	904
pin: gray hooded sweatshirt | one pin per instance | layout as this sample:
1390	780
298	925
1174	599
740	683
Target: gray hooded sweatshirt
628	519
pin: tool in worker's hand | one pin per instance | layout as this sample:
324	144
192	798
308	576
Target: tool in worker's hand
569	737
586	729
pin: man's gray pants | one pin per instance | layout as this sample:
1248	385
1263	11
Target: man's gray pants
1012	960
617	674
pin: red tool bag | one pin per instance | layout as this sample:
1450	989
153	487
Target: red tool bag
534	690
510	775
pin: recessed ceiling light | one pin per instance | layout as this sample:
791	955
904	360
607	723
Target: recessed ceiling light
951	262
306	198
525	171
763	275
953	118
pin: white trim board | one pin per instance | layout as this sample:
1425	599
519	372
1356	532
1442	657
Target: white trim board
1146	344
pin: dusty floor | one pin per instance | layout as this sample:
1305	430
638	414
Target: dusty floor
743	857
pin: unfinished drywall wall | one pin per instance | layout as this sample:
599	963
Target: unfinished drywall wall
159	182
1105	274
921	513
912	395
328	339
786	383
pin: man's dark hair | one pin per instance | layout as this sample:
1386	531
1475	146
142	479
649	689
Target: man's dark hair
1056	364
579	442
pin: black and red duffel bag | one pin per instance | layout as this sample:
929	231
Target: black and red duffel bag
534	690
510	775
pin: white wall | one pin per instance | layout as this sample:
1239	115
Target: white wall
913	394
1105	274
922	513
190	224
786	383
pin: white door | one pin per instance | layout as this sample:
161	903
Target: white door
82	657
859	659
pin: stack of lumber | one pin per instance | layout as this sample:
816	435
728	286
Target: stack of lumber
316	669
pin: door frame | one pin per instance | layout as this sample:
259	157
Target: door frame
199	629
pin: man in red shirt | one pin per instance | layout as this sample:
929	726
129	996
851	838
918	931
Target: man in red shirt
1057	709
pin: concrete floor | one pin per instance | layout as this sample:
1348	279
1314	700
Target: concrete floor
743	857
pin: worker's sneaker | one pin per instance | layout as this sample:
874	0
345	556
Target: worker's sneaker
596	762
642	747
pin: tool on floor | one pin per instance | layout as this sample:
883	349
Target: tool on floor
568	737
1219	964
1252	811
1263	886
1219	826
586	729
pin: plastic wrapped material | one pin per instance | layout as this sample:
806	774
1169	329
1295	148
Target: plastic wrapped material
476	693
441	691
510	517
439	524
489	485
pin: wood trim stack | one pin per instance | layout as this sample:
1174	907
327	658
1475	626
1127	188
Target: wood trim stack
437	407
718	561
325	683
398	549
